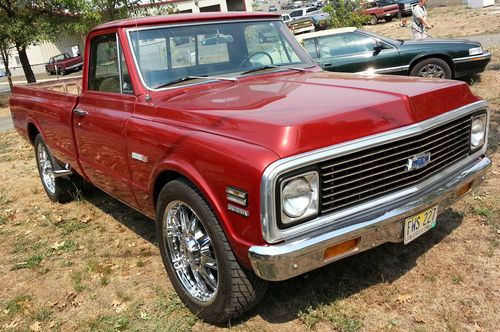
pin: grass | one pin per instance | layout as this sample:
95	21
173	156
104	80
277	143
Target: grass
15	305
77	278
334	314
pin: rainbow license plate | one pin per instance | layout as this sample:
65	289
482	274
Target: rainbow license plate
419	224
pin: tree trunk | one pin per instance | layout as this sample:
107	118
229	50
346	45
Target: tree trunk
4	54
23	57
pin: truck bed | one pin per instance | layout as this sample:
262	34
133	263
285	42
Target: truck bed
49	105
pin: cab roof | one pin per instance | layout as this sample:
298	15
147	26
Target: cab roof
183	18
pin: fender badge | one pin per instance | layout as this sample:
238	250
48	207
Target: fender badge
238	210
140	157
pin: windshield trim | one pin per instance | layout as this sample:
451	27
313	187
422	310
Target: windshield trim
208	80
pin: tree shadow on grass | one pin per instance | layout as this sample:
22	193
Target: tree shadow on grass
285	300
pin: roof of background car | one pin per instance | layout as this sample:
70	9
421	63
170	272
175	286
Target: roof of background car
324	33
181	18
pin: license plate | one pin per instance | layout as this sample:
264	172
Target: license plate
419	224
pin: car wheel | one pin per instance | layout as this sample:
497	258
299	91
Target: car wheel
373	19
198	258
432	67
388	18
58	189
62	72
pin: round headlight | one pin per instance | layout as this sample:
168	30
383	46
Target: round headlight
296	197
477	132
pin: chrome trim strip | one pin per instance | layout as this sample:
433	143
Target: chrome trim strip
484	56
286	260
270	231
384	70
75	65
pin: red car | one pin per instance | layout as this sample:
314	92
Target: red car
255	164
63	63
379	12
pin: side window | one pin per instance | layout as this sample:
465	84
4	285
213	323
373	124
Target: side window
344	44
310	47
309	10
105	65
296	13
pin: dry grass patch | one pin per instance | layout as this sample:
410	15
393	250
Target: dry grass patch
450	21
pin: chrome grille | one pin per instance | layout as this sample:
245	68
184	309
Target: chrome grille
362	175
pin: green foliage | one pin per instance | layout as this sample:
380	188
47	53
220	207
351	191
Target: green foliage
346	13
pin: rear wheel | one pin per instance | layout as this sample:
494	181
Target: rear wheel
433	68
58	189
198	258
388	18
373	19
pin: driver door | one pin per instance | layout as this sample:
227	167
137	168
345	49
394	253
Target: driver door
355	52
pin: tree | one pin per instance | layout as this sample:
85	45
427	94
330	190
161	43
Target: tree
28	22
5	49
345	13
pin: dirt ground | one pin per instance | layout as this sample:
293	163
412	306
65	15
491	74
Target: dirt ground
92	265
450	21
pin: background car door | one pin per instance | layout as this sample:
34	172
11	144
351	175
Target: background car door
355	52
100	119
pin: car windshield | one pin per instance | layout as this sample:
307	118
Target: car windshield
169	54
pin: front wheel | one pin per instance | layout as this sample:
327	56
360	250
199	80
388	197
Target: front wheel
373	19
432	68
388	18
198	258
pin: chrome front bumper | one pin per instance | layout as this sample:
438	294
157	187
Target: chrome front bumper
306	253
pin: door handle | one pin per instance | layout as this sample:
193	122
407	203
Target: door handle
79	112
327	65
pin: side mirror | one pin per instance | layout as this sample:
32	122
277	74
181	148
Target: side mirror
378	46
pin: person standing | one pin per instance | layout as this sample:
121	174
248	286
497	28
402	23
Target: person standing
419	23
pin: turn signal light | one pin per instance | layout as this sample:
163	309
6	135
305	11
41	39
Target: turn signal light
341	248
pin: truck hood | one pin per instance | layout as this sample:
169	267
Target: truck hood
291	112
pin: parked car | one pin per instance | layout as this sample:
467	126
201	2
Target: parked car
273	8
3	73
405	6
253	171
379	12
303	12
297	4
302	25
63	63
355	50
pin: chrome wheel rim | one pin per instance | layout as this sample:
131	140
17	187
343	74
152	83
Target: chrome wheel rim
431	70
190	251
46	169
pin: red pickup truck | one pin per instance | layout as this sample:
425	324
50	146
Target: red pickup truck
379	12
63	63
255	164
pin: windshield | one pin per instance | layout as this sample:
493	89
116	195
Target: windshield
168	54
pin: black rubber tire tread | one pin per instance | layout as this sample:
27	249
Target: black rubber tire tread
373	19
388	19
448	74
67	188
243	288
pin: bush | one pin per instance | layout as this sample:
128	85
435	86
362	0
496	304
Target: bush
345	13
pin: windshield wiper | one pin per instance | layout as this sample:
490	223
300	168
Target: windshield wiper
271	67
191	77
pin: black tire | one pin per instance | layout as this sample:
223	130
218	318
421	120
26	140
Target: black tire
62	72
373	19
237	289
440	65
65	188
388	18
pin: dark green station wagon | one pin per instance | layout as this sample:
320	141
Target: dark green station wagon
354	50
